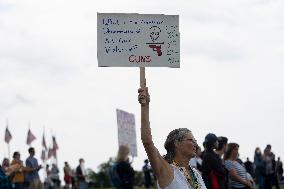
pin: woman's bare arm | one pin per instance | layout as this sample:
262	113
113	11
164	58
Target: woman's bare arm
234	176
161	168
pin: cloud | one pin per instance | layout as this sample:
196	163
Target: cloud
8	102
230	81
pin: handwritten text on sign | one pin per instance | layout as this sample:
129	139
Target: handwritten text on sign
126	131
138	40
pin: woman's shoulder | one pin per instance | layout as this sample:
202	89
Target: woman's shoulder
199	178
229	161
197	173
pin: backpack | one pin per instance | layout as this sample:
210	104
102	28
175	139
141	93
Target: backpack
114	176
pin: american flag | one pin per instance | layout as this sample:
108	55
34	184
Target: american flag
8	135
55	145
43	142
50	153
30	137
43	156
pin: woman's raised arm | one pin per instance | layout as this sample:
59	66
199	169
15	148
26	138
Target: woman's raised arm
161	168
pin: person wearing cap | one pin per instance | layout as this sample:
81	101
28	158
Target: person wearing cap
173	170
214	172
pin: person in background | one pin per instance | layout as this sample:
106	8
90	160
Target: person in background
173	170
47	170
47	181
249	167
222	146
5	166
81	174
19	177
279	169
5	182
259	168
196	161
54	175
32	177
67	175
124	169
147	174
270	178
237	172
214	172
74	179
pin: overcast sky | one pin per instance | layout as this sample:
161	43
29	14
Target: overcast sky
231	79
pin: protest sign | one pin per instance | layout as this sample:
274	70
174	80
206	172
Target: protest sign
126	130
138	40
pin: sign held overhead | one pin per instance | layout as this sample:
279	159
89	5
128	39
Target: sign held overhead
138	40
127	131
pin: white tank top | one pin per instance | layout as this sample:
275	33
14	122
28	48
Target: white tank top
179	181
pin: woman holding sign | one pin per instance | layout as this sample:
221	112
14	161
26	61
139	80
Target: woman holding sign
173	170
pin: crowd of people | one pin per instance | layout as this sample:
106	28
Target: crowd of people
24	175
16	175
217	167
221	168
184	166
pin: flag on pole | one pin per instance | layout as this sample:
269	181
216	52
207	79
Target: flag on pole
43	142
55	145
30	137
50	153
8	135
42	157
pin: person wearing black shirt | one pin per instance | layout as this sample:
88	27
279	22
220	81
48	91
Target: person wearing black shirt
124	169
5	182
147	174
249	167
214	172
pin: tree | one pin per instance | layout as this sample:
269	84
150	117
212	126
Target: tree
101	178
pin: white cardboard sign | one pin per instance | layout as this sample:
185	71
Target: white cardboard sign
138	40
126	131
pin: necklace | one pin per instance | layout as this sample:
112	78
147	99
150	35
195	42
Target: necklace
190	176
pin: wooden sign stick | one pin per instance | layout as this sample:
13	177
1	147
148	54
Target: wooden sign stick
142	77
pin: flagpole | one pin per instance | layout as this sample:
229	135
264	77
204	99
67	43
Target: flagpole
9	154
29	130
55	142
45	159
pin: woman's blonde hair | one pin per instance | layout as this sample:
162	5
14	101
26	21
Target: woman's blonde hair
122	154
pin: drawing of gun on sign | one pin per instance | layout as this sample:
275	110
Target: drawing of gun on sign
155	32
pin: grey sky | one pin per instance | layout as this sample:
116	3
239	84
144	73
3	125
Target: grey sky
230	81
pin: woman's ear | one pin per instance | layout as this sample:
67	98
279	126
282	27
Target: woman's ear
177	144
